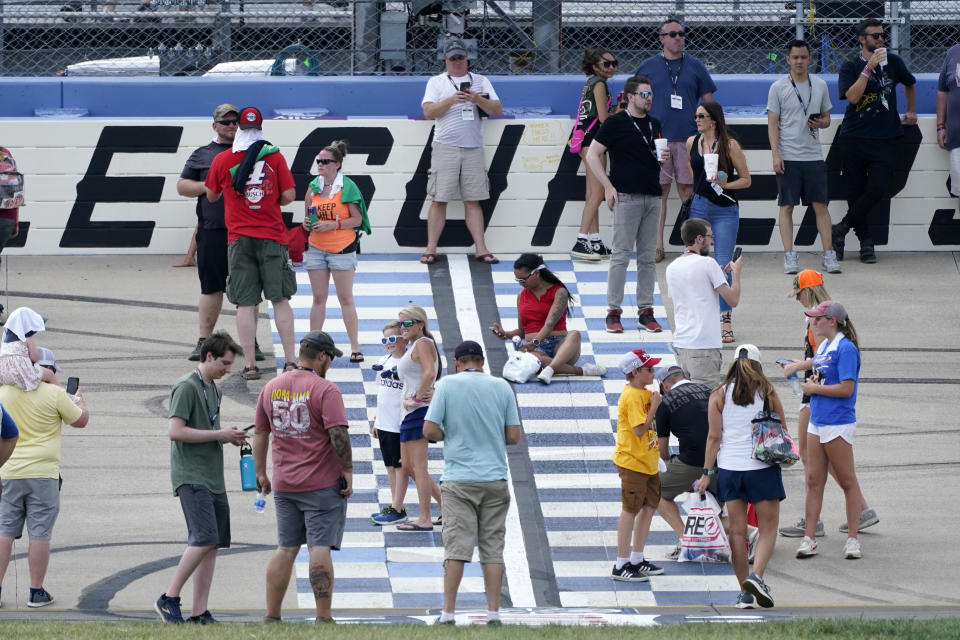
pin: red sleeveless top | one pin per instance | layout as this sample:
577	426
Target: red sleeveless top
533	312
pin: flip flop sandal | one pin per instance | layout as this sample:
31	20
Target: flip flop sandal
356	356
438	522
409	526
251	373
487	258
428	258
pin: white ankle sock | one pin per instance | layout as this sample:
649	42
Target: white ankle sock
636	557
444	616
621	562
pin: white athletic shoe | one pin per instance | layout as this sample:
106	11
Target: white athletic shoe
851	549
545	375
808	548
591	369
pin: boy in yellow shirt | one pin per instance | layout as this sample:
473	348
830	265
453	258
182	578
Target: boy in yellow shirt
636	457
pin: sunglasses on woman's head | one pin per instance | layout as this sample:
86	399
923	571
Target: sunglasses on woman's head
388	339
406	323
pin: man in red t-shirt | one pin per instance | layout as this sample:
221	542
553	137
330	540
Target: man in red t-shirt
255	182
312	469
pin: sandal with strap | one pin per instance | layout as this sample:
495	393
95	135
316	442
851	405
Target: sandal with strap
726	328
251	373
356	356
428	258
487	258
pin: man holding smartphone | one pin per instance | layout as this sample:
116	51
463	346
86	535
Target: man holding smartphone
456	99
196	472
798	106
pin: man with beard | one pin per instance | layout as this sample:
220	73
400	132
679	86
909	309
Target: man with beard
694	281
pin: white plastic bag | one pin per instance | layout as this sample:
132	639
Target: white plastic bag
521	366
704	539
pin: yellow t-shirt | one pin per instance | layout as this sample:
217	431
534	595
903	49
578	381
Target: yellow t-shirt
39	415
637	454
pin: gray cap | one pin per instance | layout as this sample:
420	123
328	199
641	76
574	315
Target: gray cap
46	359
454	47
665	372
322	341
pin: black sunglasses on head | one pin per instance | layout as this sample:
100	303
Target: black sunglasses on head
227	123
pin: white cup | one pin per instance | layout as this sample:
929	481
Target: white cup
710	164
883	56
661	144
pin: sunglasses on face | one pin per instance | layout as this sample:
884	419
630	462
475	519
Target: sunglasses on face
388	339
875	36
407	323
227	123
524	279
672	34
609	64
457	58
702	116
644	94
325	161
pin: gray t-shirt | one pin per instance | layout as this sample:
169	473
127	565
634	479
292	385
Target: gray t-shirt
949	83
796	141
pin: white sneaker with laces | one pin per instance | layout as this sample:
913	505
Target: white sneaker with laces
545	375
830	263
791	262
591	369
808	548
851	549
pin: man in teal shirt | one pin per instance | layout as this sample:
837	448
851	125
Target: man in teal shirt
475	415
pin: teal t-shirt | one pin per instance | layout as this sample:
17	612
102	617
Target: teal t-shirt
473	408
196	462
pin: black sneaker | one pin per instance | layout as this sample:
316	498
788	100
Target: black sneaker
648	568
168	609
839	235
600	249
867	253
628	573
195	354
584	250
257	354
203	618
39	598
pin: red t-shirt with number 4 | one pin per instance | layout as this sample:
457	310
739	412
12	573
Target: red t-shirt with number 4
298	408
255	213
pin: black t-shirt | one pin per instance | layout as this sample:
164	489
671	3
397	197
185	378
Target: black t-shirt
633	157
683	412
875	115
209	214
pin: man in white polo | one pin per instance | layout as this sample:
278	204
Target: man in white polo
454	99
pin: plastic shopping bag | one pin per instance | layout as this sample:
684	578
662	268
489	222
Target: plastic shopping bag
704	539
521	366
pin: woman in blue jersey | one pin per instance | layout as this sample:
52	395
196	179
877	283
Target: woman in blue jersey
833	422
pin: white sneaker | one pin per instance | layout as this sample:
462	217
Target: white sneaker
851	549
591	369
808	548
791	262
829	262
545	375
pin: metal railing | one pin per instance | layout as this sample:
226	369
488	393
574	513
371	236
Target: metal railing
362	37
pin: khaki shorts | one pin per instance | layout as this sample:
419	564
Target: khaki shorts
474	513
256	265
637	489
679	478
457	173
701	365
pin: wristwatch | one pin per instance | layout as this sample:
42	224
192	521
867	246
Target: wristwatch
709	472
535	342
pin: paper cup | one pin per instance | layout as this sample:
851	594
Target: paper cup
710	163
661	144
883	63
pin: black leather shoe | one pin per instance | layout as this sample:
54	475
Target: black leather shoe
839	239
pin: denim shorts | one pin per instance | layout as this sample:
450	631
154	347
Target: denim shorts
549	345
317	259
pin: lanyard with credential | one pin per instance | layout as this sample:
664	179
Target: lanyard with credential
648	141
206	405
797	91
455	87
673	78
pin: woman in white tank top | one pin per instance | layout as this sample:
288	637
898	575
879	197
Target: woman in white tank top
742	480
419	369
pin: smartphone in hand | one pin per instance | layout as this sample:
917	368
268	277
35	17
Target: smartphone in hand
73	383
464	86
736	254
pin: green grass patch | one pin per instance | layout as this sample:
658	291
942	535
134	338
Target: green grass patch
937	629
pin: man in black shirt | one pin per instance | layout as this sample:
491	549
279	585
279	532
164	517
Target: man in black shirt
211	228
869	130
632	192
683	412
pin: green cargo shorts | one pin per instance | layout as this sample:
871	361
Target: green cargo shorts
259	265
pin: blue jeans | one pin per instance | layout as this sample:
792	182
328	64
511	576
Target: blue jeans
725	222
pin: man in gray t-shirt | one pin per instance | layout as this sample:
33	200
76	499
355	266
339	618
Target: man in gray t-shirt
948	113
798	106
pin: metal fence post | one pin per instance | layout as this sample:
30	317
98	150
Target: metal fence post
546	33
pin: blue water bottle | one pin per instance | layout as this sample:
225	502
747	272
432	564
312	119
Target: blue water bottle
248	472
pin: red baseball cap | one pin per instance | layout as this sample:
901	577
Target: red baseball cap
251	118
636	359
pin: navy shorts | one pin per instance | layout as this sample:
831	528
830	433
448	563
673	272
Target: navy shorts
411	428
802	180
750	486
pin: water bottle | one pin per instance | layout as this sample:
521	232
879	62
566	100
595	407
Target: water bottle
259	504
516	343
795	381
248	472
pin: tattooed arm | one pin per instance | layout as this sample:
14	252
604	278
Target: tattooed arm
557	311
340	440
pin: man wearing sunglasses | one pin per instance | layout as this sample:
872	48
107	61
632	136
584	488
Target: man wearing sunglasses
211	230
869	132
680	82
632	192
456	99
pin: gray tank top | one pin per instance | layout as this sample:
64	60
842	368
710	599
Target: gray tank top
411	373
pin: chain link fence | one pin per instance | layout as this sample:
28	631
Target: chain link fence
361	37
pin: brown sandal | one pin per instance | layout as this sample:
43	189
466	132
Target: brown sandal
726	328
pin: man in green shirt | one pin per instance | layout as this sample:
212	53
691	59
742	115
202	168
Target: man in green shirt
196	469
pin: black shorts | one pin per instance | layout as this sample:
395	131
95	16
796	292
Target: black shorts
802	181
389	448
212	260
207	515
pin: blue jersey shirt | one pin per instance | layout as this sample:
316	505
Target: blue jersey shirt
836	360
692	81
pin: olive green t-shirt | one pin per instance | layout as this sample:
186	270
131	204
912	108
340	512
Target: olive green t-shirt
196	462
